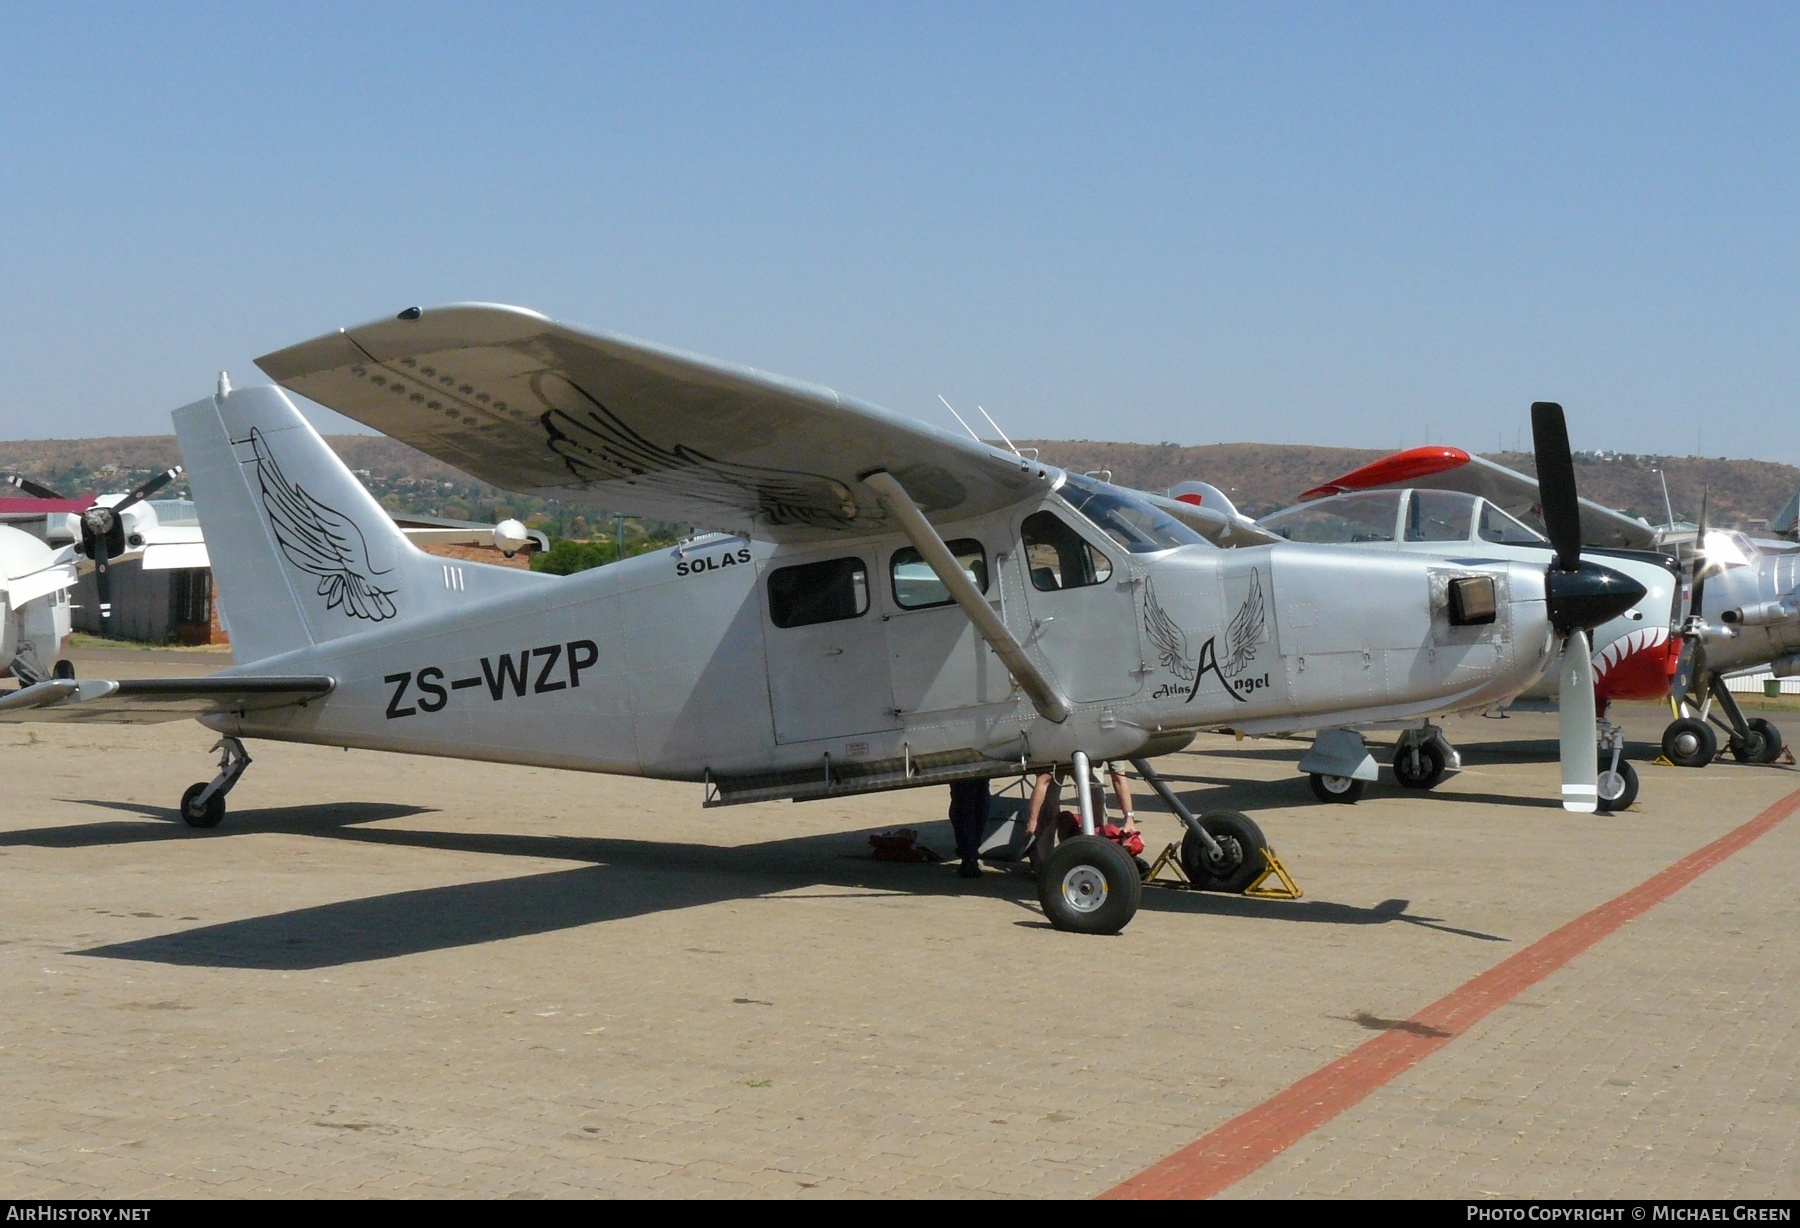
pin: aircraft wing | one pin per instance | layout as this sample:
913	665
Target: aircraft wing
519	401
150	701
1436	467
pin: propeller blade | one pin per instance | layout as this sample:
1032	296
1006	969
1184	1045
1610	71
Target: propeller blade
1580	761
1556	482
148	488
103	586
36	490
1692	665
1700	560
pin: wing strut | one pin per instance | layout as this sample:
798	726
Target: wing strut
1043	693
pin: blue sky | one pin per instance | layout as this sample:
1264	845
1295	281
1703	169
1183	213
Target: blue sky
1341	224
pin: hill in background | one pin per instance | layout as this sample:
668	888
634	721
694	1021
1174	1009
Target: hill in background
1258	477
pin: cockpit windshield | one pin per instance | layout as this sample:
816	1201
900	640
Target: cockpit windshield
1367	516
1131	522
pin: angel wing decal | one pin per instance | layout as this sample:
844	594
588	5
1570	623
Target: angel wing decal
1246	629
598	446
1170	640
321	541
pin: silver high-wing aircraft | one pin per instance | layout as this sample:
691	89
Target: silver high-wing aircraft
1634	654
1742	605
887	606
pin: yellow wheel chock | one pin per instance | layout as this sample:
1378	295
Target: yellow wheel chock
1285	888
1169	859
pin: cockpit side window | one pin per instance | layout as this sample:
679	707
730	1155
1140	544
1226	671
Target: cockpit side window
1058	557
1439	516
1503	530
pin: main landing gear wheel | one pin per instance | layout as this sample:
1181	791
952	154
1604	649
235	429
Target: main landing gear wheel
1751	748
196	814
1090	886
1771	736
1241	858
1690	743
1617	789
1344	789
64	670
1419	767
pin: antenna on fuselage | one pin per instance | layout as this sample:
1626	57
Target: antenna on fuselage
959	418
990	419
1668	509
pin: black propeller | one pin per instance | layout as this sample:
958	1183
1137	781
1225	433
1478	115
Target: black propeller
1581	595
103	537
36	490
1578	596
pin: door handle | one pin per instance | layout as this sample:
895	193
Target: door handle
834	652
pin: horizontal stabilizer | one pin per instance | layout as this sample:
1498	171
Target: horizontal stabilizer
151	701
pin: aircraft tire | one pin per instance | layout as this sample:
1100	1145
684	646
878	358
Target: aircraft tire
1242	843
1689	742
1431	768
1749	749
1343	790
1617	790
1090	886
64	670
1771	739
194	815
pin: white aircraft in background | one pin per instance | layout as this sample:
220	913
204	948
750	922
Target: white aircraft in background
1742	601
800	653
34	607
99	532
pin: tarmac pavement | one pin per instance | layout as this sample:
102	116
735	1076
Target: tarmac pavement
407	976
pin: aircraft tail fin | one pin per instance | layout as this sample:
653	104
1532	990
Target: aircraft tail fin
301	553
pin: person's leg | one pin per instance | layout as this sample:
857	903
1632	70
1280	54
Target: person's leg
1122	791
1040	788
968	816
1045	834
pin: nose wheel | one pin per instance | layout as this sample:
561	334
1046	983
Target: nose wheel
203	805
1690	742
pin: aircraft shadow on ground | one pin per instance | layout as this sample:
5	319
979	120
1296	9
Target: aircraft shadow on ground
622	878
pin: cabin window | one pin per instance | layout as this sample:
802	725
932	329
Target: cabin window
1058	557
824	592
916	586
1439	516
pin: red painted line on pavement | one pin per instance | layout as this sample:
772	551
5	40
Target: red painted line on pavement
1250	1140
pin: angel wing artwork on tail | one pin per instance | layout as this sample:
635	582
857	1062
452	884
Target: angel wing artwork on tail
321	541
1245	630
